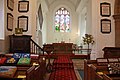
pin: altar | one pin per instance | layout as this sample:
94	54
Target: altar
62	48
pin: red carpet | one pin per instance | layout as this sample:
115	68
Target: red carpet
63	69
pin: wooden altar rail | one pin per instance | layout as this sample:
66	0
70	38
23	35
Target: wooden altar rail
81	50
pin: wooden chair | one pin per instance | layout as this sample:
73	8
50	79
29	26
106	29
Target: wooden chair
30	73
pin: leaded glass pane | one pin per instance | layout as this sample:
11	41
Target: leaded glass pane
62	20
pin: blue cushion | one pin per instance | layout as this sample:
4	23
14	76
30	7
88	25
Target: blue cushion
21	55
17	55
25	55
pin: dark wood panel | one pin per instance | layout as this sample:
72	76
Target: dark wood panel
62	47
110	52
20	43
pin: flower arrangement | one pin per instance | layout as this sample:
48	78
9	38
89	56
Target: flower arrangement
88	39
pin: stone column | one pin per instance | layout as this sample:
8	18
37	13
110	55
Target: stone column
116	16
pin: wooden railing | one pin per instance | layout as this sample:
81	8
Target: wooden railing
35	48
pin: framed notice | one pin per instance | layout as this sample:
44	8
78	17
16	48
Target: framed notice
23	6
105	25
10	4
10	21
105	9
23	23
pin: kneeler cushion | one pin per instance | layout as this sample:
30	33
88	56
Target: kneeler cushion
21	55
24	61
16	55
25	55
12	60
2	60
7	71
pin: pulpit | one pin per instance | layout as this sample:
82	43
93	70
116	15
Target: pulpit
20	43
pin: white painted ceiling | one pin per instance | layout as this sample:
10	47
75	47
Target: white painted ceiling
75	2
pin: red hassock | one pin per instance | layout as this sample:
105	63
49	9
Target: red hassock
2	60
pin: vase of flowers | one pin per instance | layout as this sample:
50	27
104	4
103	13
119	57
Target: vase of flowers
88	39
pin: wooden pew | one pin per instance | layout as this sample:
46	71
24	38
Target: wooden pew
93	67
30	73
38	73
105	77
87	72
94	74
40	70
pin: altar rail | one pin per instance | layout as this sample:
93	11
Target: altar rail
82	51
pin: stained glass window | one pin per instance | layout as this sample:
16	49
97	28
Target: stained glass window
62	20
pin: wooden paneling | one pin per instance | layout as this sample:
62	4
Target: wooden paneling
62	47
19	43
110	52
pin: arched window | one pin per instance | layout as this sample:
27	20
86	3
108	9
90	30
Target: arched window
62	20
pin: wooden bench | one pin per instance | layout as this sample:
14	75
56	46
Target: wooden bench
92	67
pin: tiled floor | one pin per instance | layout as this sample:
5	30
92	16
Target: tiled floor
78	64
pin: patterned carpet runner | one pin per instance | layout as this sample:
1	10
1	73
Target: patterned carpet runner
63	69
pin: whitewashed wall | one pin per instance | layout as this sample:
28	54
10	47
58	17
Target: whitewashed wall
94	26
4	33
53	36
